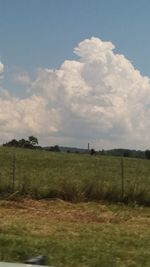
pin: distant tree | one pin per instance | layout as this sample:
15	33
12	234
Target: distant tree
22	142
13	143
127	153
103	152
55	148
33	140
147	154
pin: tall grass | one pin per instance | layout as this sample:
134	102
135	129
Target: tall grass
73	177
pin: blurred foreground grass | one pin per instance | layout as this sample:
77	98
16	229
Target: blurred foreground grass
85	234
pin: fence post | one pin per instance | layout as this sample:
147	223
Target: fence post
13	173
122	178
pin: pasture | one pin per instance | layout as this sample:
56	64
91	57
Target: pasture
87	229
73	177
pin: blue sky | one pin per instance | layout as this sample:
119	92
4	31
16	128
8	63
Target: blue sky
92	95
43	33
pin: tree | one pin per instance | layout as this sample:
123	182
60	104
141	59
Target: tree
103	152
30	143
55	148
33	140
147	154
12	143
22	142
127	153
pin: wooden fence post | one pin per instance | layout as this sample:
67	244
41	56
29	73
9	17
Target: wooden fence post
13	173
122	178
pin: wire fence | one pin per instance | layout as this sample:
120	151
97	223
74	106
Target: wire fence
75	177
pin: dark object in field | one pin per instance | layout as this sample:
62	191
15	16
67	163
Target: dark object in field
39	260
93	152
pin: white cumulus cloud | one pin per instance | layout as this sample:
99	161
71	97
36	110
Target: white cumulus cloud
21	78
99	98
1	68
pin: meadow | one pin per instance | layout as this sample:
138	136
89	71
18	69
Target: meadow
73	177
78	210
75	234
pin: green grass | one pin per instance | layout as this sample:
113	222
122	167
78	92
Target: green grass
85	234
73	177
73	235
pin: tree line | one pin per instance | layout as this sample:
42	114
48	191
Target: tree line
31	143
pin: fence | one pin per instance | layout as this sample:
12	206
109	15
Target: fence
74	177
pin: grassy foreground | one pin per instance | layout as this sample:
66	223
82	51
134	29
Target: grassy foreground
73	235
73	177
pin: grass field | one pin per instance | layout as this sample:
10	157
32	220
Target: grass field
73	177
72	235
81	232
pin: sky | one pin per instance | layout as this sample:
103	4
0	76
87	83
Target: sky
74	72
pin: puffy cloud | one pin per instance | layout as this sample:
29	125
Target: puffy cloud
21	117
21	78
1	68
99	98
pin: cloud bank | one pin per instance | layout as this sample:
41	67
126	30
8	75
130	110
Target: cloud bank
99	98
